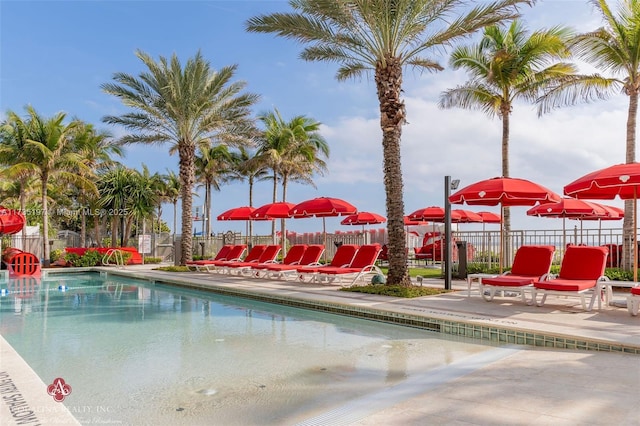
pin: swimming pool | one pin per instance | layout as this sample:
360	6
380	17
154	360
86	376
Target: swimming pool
141	353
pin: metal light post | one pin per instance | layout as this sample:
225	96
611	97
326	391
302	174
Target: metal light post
448	186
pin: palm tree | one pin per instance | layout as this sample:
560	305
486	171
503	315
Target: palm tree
212	166
383	37
114	185
48	151
17	170
613	48
182	106
292	150
95	148
506	65
248	165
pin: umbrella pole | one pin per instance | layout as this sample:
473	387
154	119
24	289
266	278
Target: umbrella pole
564	235
324	238
599	232
635	232
501	236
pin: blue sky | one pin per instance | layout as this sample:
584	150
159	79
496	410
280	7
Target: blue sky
54	55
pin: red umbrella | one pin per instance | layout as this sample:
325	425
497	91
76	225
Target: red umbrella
363	218
410	222
322	207
490	217
466	216
433	214
277	210
569	208
503	191
620	180
237	213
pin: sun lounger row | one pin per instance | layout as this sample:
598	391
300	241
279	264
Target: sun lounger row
350	263
581	272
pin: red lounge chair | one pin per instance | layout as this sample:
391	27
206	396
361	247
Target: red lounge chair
293	257
234	254
581	270
362	264
342	258
253	256
530	264
311	256
633	301
269	254
221	255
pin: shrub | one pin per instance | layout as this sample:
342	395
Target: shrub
152	260
56	255
89	258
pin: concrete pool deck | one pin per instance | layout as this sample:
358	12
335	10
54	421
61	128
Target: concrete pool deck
547	382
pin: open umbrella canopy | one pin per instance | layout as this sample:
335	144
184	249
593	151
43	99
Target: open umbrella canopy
570	208
322	207
503	191
363	218
466	216
620	180
490	217
432	214
613	213
237	213
278	210
409	222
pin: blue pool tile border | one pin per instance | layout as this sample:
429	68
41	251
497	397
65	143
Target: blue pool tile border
489	333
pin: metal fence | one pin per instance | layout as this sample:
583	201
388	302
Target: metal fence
483	246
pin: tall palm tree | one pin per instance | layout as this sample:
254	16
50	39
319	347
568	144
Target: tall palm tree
118	188
212	165
247	165
48	150
292	150
96	148
21	173
506	65
383	37
613	49
184	107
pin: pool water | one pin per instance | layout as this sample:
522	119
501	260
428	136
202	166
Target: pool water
141	353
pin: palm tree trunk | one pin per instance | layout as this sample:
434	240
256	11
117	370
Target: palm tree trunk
392	116
505	112
283	221
629	233
175	219
275	198
83	222
250	244
23	208
45	221
208	204
114	231
187	176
